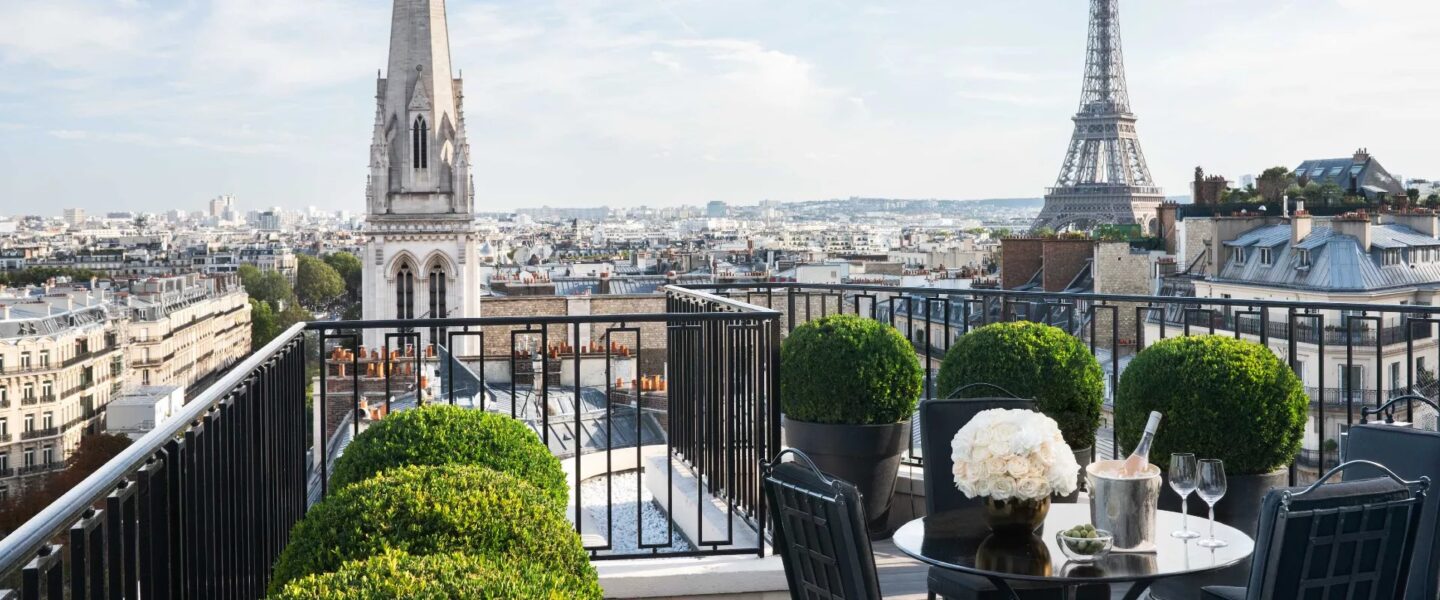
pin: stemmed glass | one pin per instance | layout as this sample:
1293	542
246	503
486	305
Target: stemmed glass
1182	480
1211	489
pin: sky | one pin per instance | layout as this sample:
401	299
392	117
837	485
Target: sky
150	105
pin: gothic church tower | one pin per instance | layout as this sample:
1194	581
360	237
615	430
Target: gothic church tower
420	257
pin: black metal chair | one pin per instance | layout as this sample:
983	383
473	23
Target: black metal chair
939	420
1353	539
1412	454
819	532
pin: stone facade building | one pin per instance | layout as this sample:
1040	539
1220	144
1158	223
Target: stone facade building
184	328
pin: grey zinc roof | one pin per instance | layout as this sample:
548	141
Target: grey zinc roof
1337	263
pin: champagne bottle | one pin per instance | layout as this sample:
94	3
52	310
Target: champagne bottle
1139	461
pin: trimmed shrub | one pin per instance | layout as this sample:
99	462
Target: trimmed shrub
1030	360
1222	398
396	575
845	369
450	435
429	510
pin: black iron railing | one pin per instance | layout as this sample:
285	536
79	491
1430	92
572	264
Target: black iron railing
685	392
1116	326
200	507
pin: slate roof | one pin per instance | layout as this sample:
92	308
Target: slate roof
1337	262
1356	175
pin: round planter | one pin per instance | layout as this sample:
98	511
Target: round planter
867	456
1240	508
1082	456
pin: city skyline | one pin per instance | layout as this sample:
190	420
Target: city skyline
663	104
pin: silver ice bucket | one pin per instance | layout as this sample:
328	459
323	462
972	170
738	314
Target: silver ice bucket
1124	506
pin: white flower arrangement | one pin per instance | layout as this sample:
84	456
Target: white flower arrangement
1013	454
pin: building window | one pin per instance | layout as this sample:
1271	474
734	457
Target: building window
437	293
145	377
28	391
29	457
4	395
44	358
1391	257
24	360
47	420
5	461
1304	258
1395	376
47	454
405	293
4	427
1239	256
1264	256
29	422
47	388
421	138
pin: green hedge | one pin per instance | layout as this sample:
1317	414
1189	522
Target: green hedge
445	435
1030	360
396	575
849	370
1222	398
428	510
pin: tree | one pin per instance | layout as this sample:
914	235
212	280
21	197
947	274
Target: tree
1413	196
1272	183
94	451
349	267
317	284
268	286
264	325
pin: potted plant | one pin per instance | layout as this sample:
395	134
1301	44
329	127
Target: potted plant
848	387
1035	361
1222	398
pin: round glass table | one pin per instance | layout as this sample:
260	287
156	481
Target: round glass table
961	542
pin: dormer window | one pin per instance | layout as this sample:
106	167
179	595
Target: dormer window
1239	256
1391	257
1265	256
1304	258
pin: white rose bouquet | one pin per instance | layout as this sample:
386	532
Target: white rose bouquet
1006	454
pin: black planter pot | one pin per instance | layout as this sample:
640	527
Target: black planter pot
867	456
1240	508
1082	456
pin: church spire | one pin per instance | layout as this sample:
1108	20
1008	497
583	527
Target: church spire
421	129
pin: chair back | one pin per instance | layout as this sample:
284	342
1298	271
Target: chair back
1337	540
1412	454
939	421
819	532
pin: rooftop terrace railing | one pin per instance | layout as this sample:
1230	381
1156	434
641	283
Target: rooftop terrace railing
1401	359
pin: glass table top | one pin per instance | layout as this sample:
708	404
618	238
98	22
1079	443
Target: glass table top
960	541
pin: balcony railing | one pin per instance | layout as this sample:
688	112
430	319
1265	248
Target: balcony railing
35	434
41	468
205	501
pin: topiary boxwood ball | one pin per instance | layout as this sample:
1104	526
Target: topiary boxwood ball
430	510
1030	360
845	369
446	435
396	575
1222	398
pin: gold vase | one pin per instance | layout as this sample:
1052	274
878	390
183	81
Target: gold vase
1016	515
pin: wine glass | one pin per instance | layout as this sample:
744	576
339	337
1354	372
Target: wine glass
1182	480
1211	489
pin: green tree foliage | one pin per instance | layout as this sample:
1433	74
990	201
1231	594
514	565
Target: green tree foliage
94	452
433	510
1030	360
445	435
395	574
264	324
317	284
349	267
849	370
1273	182
1413	196
39	275
266	286
1222	398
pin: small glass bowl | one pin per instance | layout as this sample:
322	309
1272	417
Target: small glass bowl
1085	550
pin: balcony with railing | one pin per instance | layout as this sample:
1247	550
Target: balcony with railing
660	416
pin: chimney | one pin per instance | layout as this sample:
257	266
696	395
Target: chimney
1361	155
1356	225
1300	226
4	312
1423	222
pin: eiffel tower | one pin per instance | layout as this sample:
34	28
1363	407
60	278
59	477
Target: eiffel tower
1104	179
